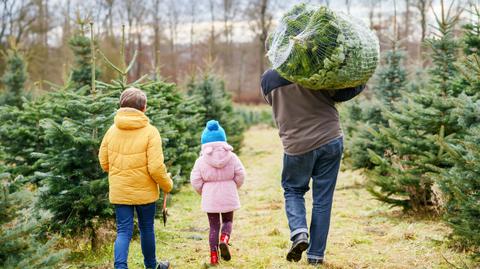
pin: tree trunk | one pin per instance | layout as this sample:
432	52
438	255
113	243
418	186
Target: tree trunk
93	239
407	21
156	32
211	46
264	27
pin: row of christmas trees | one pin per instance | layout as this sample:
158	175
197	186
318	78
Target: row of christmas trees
51	182
419	140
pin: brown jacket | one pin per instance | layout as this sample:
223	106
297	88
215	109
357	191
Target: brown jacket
306	119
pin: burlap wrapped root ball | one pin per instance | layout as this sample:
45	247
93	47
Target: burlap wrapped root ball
323	50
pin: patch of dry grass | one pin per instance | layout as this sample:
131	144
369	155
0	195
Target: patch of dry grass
364	233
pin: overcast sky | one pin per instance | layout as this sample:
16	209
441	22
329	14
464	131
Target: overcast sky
359	9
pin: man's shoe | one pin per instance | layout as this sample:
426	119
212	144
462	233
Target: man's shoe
315	261
299	245
224	251
164	265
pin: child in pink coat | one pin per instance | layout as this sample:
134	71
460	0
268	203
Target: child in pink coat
217	175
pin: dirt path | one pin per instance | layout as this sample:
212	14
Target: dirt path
364	233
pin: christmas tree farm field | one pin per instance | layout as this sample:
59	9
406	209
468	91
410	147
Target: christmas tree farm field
364	232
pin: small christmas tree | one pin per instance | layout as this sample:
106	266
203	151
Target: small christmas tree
14	78
213	99
81	74
409	167
471	38
21	245
461	183
365	115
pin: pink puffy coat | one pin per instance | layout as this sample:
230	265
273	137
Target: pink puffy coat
217	175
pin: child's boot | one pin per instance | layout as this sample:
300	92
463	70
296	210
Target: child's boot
213	258
224	251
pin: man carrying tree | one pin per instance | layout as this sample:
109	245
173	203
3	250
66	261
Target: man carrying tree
309	128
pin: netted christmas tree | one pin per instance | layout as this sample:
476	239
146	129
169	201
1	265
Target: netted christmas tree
406	173
21	242
211	96
14	77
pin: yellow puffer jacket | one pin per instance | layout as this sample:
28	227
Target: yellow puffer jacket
131	153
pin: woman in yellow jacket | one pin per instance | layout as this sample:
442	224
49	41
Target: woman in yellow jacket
131	153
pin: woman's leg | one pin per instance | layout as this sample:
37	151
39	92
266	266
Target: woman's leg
146	216
227	223
214	220
124	219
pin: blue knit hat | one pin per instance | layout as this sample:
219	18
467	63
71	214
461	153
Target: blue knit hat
213	132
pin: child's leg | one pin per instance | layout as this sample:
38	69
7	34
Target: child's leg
227	223
146	216
214	220
124	219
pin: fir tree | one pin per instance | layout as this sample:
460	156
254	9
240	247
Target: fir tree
364	115
216	103
21	245
391	78
14	78
409	168
81	74
461	183
471	38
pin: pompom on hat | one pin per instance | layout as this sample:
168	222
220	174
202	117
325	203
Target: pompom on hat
213	132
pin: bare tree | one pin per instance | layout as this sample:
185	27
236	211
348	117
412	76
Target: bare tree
211	44
109	4
260	14
348	4
230	8
22	15
422	7
156	33
193	20
173	22
139	16
372	4
407	19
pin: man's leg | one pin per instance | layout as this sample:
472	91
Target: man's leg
328	158
124	219
146	216
295	179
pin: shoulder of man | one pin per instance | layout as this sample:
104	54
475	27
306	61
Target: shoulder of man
272	80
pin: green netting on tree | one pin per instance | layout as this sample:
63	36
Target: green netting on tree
320	49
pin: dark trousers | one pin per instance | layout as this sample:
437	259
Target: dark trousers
214	220
321	165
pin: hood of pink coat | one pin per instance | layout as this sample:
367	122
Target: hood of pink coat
217	154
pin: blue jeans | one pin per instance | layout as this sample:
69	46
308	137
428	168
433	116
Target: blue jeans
124	218
321	165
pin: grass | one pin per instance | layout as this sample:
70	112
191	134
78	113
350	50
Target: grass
364	233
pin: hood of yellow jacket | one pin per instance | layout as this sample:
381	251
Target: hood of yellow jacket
130	119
